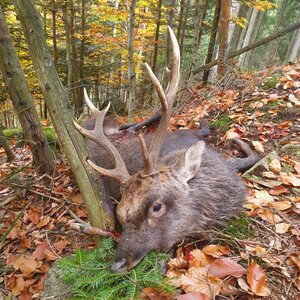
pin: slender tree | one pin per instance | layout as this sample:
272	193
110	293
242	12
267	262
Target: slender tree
131	70
212	40
23	102
155	52
223	36
71	141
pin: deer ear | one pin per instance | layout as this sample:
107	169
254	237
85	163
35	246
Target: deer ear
188	163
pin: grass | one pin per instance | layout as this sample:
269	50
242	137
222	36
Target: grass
239	227
223	122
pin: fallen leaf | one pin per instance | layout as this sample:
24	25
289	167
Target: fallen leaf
154	294
268	216
197	280
275	166
216	250
50	255
280	205
290	179
43	222
26	243
19	287
34	214
278	190
39	254
193	296
282	227
199	258
256	279
25	265
224	267
258	146
25	295
60	245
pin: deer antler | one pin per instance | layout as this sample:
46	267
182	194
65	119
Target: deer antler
97	135
166	99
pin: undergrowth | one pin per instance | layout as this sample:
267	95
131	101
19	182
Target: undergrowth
90	276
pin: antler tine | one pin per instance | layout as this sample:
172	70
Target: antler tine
145	154
120	171
166	100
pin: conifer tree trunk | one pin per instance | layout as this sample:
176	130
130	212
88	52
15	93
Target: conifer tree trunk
23	102
71	141
223	37
211	45
131	70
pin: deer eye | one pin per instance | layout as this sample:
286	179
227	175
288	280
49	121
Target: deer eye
157	207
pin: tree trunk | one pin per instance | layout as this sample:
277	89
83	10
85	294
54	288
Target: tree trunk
170	23
22	102
182	35
257	27
223	37
237	28
250	47
181	14
199	20
211	45
3	143
295	47
71	141
131	70
244	30
248	35
155	52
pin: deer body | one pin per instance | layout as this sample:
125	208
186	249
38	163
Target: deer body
170	185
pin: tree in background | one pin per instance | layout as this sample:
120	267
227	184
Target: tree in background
22	101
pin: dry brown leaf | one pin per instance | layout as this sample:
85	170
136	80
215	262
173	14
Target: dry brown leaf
268	216
25	265
25	243
278	190
60	245
197	280
19	287
43	222
39	254
259	199
280	205
282	227
178	263
193	296
275	166
230	134
50	255
258	146
25	295
34	214
257	250
290	179
224	267
199	259
256	279
216	250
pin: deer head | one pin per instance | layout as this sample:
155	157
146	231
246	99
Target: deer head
152	198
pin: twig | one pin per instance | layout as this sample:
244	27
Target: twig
87	228
51	245
9	199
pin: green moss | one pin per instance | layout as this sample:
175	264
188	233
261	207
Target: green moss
270	82
223	122
18	134
239	227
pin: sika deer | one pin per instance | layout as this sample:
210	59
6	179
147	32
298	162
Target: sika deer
178	188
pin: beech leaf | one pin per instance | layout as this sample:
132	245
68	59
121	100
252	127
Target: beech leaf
224	267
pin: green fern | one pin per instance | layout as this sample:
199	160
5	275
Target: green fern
90	277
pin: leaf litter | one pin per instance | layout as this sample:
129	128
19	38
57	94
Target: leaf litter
35	213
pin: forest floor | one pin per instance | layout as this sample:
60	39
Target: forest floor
258	252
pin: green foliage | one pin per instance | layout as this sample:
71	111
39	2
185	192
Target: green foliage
270	82
90	276
223	122
239	227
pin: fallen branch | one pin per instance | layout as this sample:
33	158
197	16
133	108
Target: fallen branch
263	41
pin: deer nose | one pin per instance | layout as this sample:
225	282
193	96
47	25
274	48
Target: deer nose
119	266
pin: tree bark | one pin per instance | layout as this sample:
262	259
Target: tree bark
23	102
199	19
250	47
223	37
155	52
170	23
182	35
71	141
295	48
211	45
131	70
